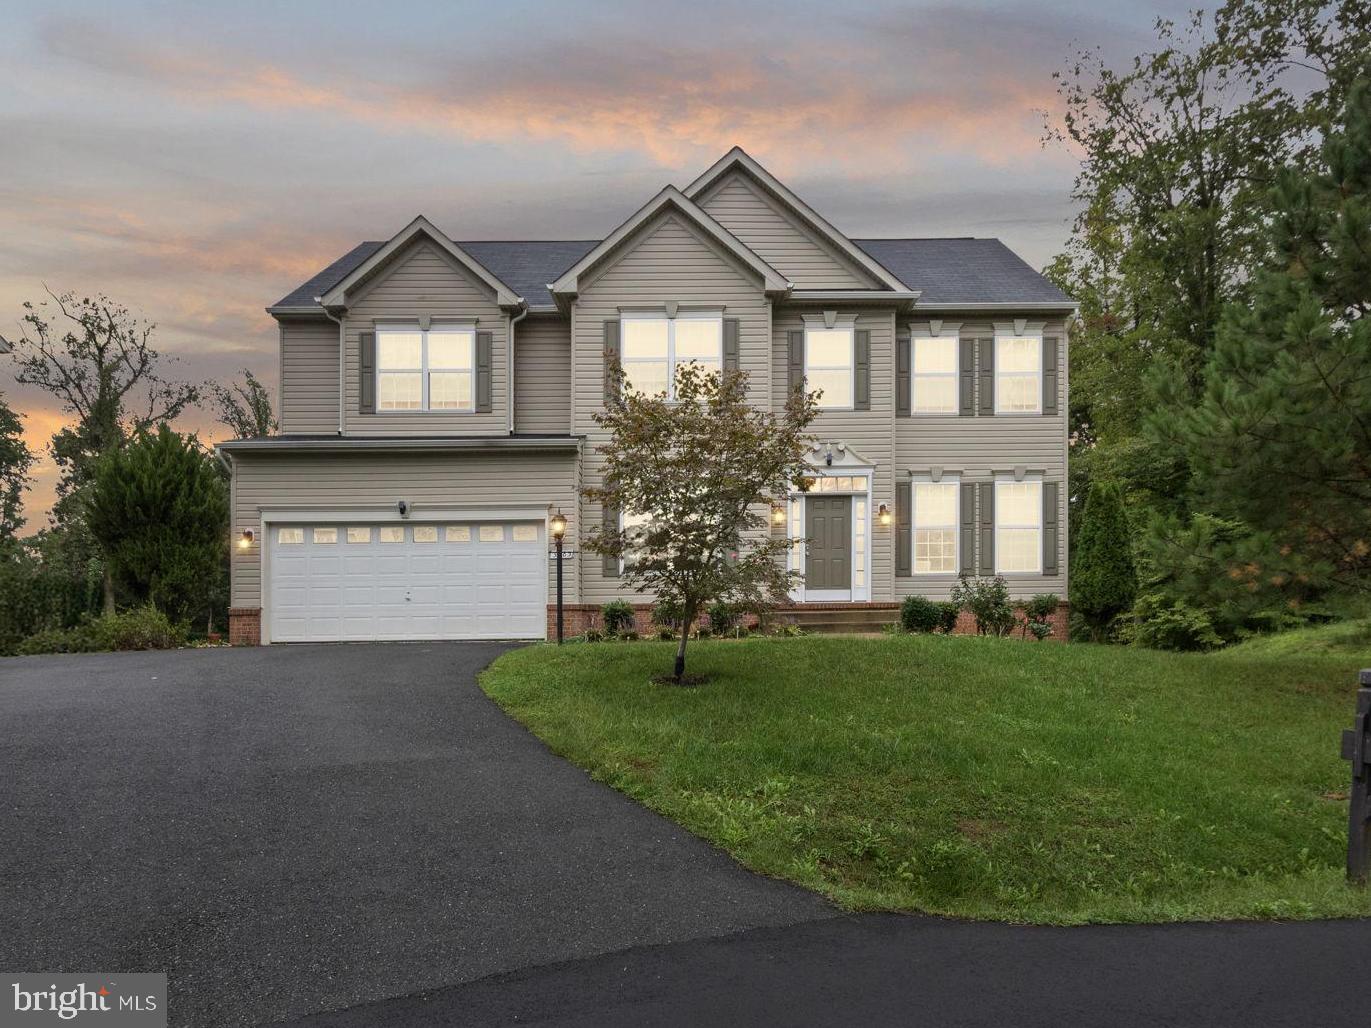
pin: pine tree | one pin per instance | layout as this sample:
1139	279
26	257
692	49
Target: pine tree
159	510
1280	440
1103	579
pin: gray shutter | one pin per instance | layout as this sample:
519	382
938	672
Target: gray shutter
987	553
966	379
367	340
902	386
1051	533
484	345
611	358
731	344
903	508
861	370
795	359
967	563
987	348
1049	376
609	525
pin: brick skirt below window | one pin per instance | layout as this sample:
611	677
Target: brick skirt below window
245	626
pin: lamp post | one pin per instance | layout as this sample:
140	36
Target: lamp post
558	526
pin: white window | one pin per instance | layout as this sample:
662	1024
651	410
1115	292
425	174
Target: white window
458	534
651	346
1018	527
491	534
359	535
525	533
426	371
935	375
425	533
634	525
326	535
936	517
392	534
290	536
828	365
1018	374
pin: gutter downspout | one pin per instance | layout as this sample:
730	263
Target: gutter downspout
342	360
510	388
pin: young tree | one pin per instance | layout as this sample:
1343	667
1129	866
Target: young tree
244	408
97	359
701	472
159	509
1281	438
15	461
1103	579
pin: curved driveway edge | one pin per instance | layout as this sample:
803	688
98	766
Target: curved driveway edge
295	829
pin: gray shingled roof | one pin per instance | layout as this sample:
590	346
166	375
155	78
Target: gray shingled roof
963	270
947	270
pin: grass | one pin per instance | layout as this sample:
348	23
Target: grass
976	777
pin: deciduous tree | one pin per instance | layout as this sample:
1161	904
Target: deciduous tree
244	408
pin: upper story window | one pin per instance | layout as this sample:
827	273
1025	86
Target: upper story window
935	523
829	359
652	345
1019	527
935	375
1018	374
433	370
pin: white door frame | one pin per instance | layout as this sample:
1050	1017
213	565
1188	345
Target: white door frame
833	460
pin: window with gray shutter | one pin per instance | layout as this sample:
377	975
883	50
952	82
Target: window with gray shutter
1049	375
611	357
484	348
1051	533
987	551
795	359
966	378
986	348
902	381
609	526
731	354
861	370
904	504
968	536
367	341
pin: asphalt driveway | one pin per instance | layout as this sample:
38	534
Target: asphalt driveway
299	829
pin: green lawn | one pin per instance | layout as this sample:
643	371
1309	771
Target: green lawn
978	777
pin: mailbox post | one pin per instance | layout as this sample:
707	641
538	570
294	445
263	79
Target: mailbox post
1356	747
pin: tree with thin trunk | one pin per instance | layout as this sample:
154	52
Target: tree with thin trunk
696	477
244	408
15	461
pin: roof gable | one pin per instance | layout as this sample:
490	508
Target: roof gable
738	159
669	198
337	294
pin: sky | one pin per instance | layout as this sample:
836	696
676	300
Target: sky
197	161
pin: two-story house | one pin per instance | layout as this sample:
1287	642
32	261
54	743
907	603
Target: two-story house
437	402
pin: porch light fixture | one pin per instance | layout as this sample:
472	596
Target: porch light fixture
558	525
777	514
245	540
884	514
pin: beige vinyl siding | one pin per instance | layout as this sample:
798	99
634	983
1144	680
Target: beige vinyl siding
354	481
542	375
977	449
309	377
778	238
868	433
666	260
424	280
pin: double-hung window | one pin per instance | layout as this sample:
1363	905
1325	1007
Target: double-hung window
1018	374
652	346
935	375
829	359
635	526
432	370
1019	527
935	524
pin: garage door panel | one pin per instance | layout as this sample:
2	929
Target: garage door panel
465	581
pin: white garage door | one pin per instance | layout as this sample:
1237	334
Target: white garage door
478	580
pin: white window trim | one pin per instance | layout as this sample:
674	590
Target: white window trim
955	374
712	314
1036	373
1038	527
795	528
441	328
956	482
846	324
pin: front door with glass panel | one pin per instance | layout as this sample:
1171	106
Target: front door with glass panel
828	553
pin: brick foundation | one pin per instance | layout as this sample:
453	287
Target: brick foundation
245	626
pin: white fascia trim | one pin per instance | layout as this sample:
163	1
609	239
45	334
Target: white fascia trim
378	513
1069	307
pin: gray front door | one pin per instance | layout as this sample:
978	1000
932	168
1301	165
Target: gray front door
828	527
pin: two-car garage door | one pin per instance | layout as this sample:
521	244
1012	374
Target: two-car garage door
456	580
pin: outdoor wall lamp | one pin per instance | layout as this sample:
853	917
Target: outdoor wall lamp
777	514
884	514
245	540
